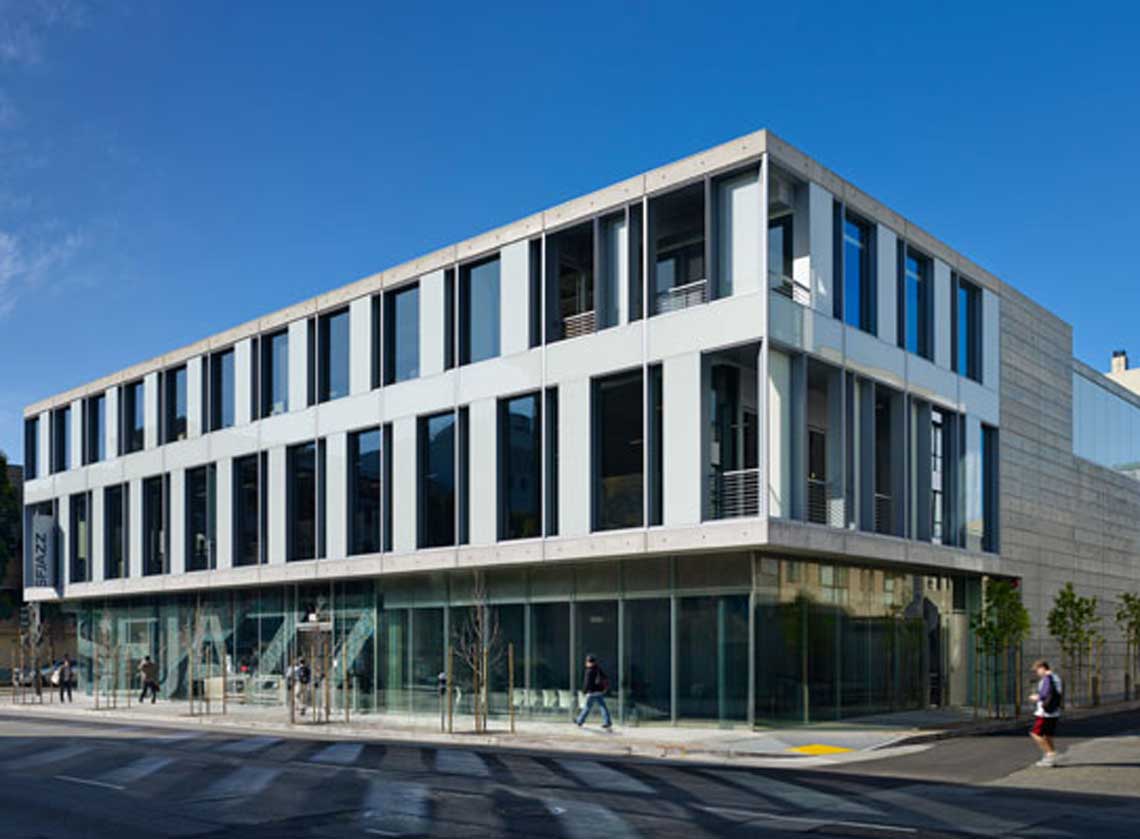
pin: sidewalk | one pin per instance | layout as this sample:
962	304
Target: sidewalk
801	746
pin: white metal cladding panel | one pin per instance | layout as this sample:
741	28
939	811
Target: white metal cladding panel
868	355
618	265
973	482
991	340
287	428
97	534
682	447
740	231
483	480
928	381
360	345
135	531
243	359
347	414
498	377
274	496
193	397
608	351
111	422
186	453
404	485
419	396
722	323
432	322
820	223
298	365
823	334
982	402
233	442
43	468
942	311
224	536
336	495
887	282
143	464
150	410
574	458
76	432
779	434
514	297
177	523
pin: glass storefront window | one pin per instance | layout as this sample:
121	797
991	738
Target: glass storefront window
712	658
550	659
647	631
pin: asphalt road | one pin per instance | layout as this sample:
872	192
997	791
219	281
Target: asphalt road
79	779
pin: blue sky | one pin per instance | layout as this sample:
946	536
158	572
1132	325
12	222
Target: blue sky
171	169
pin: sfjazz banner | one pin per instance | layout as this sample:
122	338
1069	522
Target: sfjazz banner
42	554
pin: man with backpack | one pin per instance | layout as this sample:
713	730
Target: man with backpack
1050	699
148	673
595	684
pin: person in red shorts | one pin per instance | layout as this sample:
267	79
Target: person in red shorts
1049	699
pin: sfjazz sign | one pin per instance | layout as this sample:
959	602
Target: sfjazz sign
43	551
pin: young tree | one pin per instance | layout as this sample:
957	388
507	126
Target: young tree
1128	619
1074	624
478	646
1001	624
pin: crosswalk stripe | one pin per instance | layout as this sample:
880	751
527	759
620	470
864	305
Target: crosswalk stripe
48	755
136	770
176	736
242	782
249	745
395	808
585	820
456	762
802	797
342	753
594	774
927	803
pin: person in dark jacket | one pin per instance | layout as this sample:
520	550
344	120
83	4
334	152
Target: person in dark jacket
65	678
594	685
148	671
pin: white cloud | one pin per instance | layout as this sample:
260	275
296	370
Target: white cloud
34	264
25	23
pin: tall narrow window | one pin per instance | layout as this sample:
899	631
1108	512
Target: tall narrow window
550	418
156	534
617	451
990	541
303	496
612	266
858	278
61	439
917	306
201	504
780	253
937	477
570	303
115	531
31	448
132	418
534	310
255	378
364	492
80	538
386	488
222	390
247	519
437	485
334	363
679	275
311	362
174	404
463	474
479	311
968	330
450	336
402	334
636	265
275	373
656	451
520	468
94	428
376	369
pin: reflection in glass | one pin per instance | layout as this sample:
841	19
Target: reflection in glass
221	390
645	671
275	373
617	446
479	306
334	356
364	492
550	659
402	334
437	480
200	517
520	468
115	531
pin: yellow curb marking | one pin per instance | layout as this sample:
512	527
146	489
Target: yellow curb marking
818	749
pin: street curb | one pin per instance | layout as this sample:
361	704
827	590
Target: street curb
1001	726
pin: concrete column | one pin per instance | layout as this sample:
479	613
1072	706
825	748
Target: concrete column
483	473
336	495
942	313
298	365
177	523
514	303
432	323
193	398
738	232
887	283
779	434
404	484
683	447
224	515
360	359
820	222
574	462
243	361
150	410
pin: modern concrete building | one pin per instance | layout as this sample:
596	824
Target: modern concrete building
732	425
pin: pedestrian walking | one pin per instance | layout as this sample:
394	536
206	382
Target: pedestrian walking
1050	698
148	672
65	678
595	684
297	680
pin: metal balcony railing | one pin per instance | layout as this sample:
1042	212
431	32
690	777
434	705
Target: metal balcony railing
884	514
583	323
736	493
683	296
790	288
817	501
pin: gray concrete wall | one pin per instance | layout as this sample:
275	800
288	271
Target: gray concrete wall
1062	518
